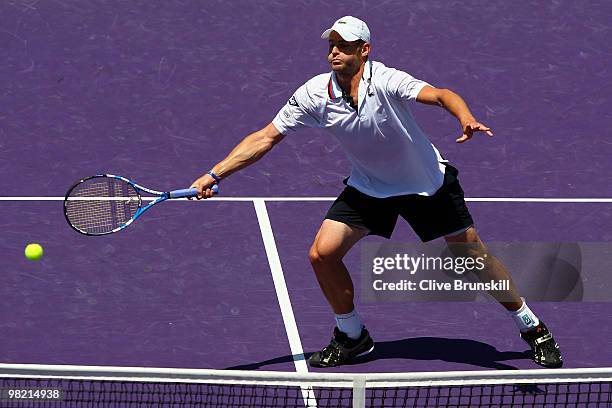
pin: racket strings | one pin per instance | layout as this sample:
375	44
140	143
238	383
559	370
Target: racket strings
101	204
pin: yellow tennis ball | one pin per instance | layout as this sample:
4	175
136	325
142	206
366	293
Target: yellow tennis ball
34	252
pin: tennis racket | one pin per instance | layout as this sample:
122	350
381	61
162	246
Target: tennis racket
105	203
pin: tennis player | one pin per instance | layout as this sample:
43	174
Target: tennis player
396	171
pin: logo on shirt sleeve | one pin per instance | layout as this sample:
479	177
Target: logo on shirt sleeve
293	101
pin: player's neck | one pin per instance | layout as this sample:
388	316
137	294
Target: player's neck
349	82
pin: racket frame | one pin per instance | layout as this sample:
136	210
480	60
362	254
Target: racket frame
161	196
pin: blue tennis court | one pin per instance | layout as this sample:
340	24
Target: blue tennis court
161	92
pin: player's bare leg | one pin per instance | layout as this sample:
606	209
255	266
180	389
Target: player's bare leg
532	330
331	243
350	338
468	244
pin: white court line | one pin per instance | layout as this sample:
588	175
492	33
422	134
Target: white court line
306	199
295	344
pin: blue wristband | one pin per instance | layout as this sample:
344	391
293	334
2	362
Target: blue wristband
213	175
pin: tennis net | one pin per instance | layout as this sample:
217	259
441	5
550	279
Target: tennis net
39	386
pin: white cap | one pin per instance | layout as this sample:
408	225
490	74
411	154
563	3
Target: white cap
350	29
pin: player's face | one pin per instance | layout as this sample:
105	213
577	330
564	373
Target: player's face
345	56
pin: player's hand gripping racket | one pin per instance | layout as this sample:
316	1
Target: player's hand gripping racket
105	203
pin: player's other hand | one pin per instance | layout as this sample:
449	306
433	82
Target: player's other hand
471	126
204	185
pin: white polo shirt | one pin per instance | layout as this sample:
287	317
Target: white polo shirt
389	153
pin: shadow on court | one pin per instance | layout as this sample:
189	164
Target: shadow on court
464	351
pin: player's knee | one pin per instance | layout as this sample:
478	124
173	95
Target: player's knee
316	256
468	236
319	254
474	250
466	244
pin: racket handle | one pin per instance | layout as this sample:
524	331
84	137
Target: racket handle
190	192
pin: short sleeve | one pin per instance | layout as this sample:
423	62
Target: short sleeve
299	111
402	85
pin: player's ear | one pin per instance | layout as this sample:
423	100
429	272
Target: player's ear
365	49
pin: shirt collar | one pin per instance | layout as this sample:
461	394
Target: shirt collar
333	88
366	70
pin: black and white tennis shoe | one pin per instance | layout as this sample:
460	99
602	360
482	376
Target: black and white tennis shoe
545	349
342	349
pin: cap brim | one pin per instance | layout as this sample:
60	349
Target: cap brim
346	36
326	34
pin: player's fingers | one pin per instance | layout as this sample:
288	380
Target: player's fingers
480	126
199	196
483	128
463	138
192	186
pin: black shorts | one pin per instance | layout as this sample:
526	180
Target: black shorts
430	217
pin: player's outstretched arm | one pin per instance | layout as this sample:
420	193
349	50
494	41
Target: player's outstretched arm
248	151
457	107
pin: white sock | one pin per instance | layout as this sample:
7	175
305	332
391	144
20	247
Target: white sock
524	318
349	323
